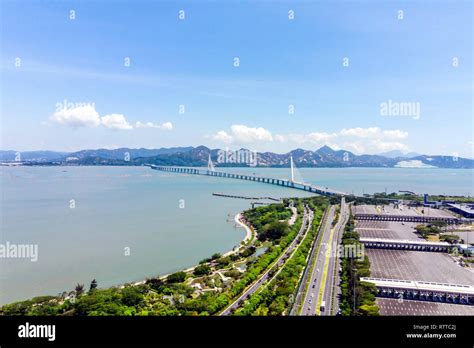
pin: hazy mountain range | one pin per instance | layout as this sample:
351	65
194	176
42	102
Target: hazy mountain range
198	156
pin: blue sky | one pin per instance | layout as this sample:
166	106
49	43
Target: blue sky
70	88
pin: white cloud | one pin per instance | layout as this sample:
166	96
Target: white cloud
319	137
358	140
246	134
116	121
356	147
164	126
242	134
223	137
383	146
373	133
81	116
280	138
167	126
313	138
86	116
395	134
358	132
373	146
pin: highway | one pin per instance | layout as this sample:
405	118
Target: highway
331	289
310	298
306	224
325	270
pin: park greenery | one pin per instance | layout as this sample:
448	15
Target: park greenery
217	281
277	297
357	297
176	293
435	228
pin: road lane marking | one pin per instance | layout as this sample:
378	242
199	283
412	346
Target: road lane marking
325	273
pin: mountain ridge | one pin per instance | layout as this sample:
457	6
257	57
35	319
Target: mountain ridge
324	157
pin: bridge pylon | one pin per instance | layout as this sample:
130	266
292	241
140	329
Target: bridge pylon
210	165
292	169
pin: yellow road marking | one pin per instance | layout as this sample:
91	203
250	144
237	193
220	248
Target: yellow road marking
325	273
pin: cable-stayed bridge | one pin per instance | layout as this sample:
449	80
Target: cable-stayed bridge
291	182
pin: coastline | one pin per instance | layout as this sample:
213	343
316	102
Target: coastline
249	235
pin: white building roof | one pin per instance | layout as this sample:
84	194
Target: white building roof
420	285
404	241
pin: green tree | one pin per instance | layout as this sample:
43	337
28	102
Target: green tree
202	270
177	277
79	289
93	285
131	296
156	284
274	230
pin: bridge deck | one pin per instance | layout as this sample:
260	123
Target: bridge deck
279	182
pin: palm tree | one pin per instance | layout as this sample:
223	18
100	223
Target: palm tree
93	285
79	289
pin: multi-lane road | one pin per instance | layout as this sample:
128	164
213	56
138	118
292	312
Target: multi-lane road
331	290
271	272
324	276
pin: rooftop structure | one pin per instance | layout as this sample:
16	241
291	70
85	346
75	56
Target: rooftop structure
466	210
420	286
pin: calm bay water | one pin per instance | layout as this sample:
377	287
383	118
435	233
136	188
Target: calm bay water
139	208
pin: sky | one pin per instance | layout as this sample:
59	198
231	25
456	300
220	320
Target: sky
363	76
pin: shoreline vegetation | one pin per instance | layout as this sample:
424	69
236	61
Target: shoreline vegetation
204	289
212	285
218	281
249	236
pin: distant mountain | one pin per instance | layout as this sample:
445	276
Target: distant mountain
33	156
399	154
323	157
121	153
106	154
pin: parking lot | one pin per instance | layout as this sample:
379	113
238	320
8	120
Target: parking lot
467	236
411	265
387	229
402	210
417	265
389	306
